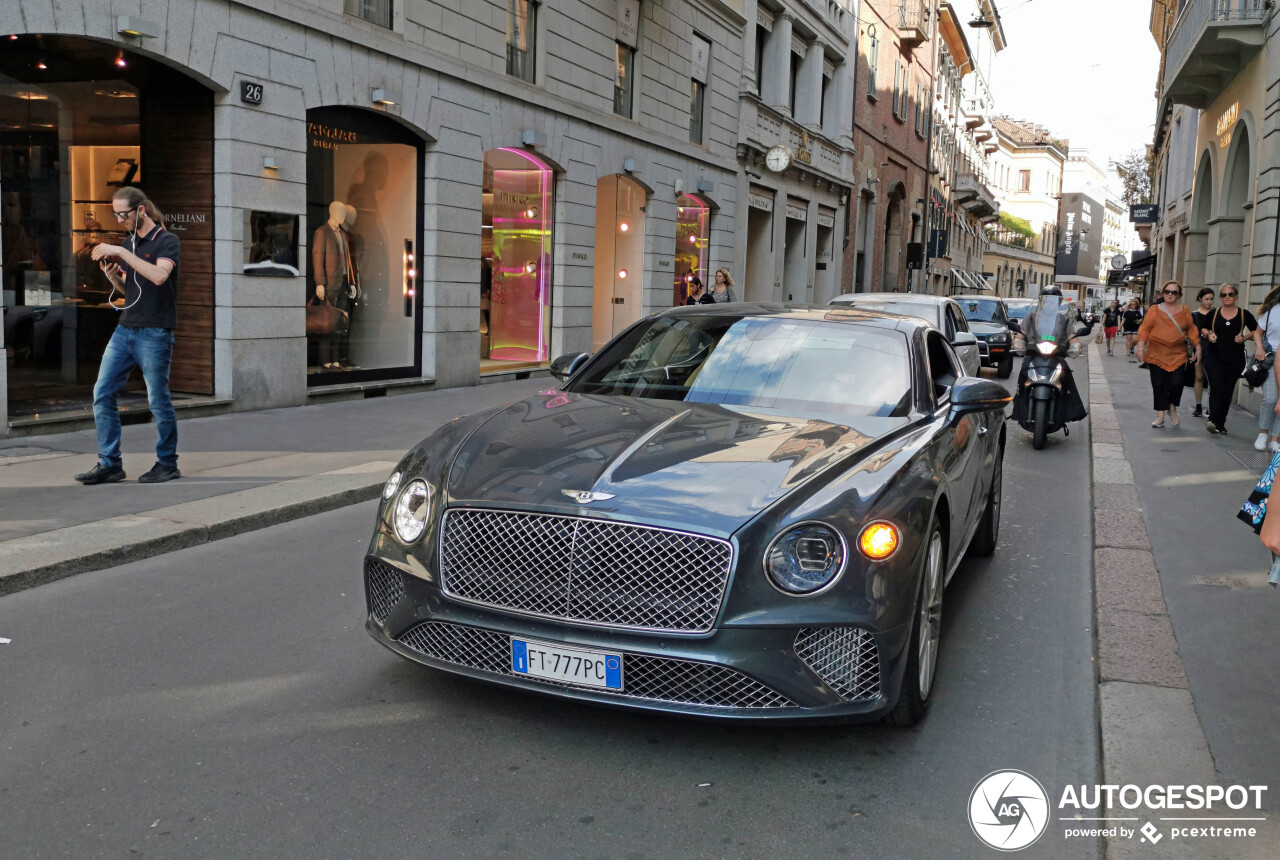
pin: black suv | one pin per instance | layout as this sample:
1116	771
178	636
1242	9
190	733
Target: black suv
989	320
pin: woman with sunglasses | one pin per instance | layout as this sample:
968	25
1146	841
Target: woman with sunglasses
1162	345
1229	327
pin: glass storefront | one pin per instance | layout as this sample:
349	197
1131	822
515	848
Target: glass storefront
364	191
79	120
617	294
515	267
693	224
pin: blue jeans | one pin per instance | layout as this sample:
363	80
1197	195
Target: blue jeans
152	350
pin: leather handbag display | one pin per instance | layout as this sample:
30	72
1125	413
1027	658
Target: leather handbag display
323	318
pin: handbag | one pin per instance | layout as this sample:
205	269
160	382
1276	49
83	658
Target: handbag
323	318
1191	348
1255	372
1254	509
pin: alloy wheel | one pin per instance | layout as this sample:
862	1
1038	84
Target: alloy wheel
930	615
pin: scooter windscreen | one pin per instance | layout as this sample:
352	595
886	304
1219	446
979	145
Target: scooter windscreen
1049	321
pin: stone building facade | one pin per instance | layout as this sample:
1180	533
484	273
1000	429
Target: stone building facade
518	180
1027	176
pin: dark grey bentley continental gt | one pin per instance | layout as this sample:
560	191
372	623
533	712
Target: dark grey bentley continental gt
735	510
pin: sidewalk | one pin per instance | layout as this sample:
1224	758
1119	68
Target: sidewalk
1185	618
241	471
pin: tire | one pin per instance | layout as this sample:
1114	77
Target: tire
984	540
926	628
1040	420
1005	368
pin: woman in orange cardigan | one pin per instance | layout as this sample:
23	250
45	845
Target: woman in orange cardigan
1162	345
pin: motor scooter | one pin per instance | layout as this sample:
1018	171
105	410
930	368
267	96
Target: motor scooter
1046	399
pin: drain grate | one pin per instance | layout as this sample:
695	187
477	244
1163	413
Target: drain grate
1254	461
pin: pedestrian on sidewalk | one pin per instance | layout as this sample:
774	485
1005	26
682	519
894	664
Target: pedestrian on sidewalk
1202	316
1268	417
144	267
1229	327
722	290
1162	339
1111	322
1131	321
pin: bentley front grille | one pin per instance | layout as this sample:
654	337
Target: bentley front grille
658	679
845	658
592	571
385	587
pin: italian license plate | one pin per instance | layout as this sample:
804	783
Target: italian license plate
571	665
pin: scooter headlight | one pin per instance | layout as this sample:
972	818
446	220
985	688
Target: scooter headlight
1046	348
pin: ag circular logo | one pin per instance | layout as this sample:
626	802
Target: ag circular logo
1008	810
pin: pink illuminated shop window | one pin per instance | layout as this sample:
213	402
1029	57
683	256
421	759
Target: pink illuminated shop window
515	272
693	219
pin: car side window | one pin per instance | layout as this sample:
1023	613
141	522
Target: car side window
948	322
961	323
944	368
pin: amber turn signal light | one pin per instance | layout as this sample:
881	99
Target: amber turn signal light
878	541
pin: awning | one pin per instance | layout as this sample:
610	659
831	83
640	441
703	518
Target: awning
977	282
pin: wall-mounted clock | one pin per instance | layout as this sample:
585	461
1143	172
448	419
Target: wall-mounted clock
777	159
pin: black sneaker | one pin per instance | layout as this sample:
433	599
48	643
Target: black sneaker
158	474
101	474
1199	413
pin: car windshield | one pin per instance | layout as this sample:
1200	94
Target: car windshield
920	310
1019	311
983	310
796	366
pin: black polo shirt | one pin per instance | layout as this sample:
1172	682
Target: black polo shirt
156	306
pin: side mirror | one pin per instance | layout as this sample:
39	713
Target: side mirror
964	338
567	365
974	394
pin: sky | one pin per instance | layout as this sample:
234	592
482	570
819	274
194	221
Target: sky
1085	69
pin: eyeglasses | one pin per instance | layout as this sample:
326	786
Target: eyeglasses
1227	295
1171	292
120	216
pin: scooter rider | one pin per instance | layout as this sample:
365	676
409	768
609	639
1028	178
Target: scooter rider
1051	317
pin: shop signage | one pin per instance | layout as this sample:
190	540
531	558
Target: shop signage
328	136
180	222
1074	256
628	22
1144	213
664	264
1226	124
579	256
826	219
760	200
797	213
701	58
251	92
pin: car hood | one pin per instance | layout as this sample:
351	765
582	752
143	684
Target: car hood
698	466
986	329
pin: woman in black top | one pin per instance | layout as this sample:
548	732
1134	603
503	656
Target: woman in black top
1229	327
1110	322
1132	319
1203	316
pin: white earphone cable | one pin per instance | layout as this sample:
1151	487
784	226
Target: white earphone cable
135	275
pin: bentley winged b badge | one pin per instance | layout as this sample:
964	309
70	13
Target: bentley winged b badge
586	497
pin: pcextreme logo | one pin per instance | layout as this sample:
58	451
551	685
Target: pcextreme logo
1009	810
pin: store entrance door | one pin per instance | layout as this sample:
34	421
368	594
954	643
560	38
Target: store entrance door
617	297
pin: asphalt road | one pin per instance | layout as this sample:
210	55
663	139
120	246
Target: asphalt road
225	701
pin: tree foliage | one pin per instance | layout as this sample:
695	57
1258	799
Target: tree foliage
1135	171
1018	225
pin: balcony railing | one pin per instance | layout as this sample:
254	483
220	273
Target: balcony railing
913	21
1217	34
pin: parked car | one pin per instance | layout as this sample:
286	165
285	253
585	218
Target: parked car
941	311
989	320
1017	311
734	510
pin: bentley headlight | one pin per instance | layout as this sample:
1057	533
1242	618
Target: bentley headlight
412	509
805	559
393	484
1046	347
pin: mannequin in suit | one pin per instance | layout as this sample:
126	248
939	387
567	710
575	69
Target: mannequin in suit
355	246
330	260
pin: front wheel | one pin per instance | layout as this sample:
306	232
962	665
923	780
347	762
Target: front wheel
1040	421
984	540
926	631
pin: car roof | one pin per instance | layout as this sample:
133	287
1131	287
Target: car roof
762	310
905	298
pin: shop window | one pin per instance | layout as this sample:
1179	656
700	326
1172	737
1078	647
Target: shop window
374	11
515	271
522	28
623	82
364	178
693	222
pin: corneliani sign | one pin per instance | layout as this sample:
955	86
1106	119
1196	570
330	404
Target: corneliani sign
179	222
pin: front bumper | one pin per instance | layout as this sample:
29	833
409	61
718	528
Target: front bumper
994	354
828	673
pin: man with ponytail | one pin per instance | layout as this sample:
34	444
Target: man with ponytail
144	268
